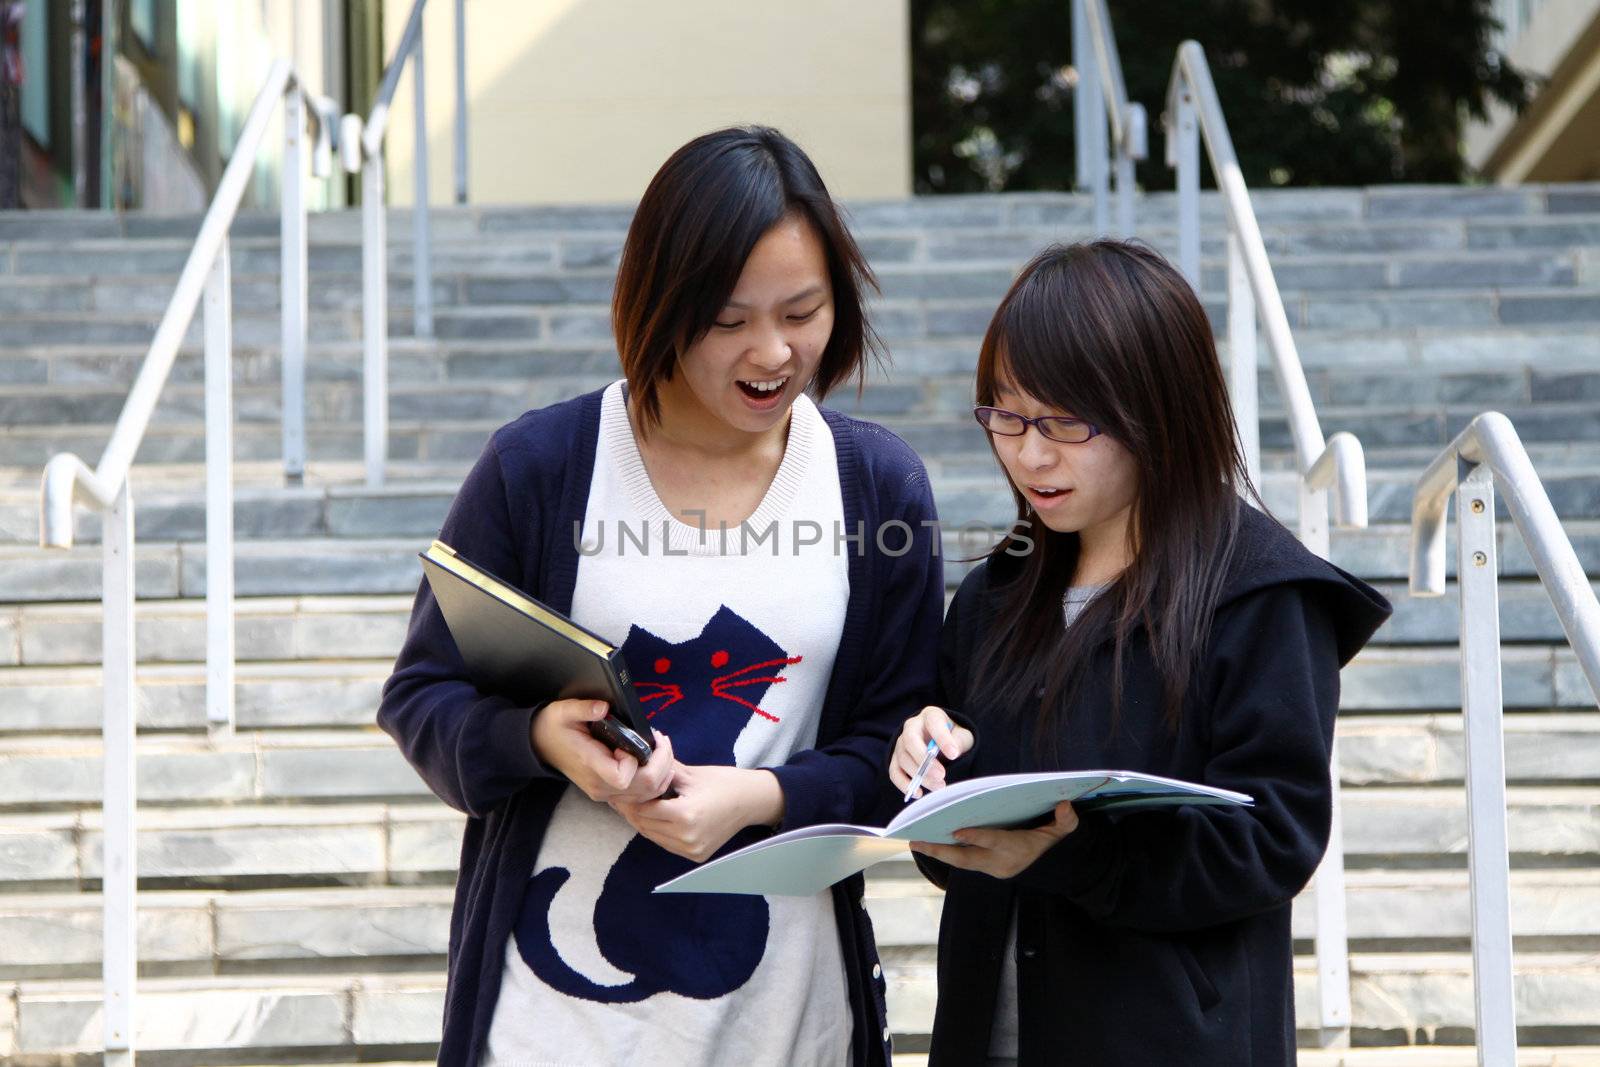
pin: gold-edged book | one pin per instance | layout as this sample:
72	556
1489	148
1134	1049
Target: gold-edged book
526	651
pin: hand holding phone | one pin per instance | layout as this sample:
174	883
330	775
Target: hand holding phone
563	736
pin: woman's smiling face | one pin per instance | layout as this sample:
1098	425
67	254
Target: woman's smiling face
767	341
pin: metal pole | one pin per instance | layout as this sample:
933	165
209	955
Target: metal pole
1242	381
1332	937
421	267
80	115
1083	63
119	886
293	282
461	101
374	319
219	494
1188	161
1488	855
1124	192
1097	143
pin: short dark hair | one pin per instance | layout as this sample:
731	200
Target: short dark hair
702	213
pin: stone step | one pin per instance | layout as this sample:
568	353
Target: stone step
173	631
53	772
253	846
63	634
344	692
1491	213
313	1017
1320	292
387	928
937	372
166	570
967	493
242	846
1446	1056
1394	409
1390	1056
1287	227
270	695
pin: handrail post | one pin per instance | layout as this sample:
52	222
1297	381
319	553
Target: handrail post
1186	159
1130	149
374	320
293	286
421	266
461	101
1243	384
219	493
1332	934
1097	141
1083	63
119	848
1482	711
1332	937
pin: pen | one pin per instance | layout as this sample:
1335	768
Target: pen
922	771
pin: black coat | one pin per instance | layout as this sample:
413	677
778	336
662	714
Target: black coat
1160	937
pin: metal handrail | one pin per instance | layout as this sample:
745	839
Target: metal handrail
1334	467
1101	96
364	152
68	480
1486	455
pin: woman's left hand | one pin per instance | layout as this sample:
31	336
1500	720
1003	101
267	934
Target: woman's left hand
713	804
1002	853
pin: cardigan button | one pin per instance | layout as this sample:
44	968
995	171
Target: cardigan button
1029	953
877	971
886	1033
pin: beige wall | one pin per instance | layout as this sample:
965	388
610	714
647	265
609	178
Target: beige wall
582	100
1557	138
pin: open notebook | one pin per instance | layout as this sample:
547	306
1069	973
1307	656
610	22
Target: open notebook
812	858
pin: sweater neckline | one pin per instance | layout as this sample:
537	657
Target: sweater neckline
616	430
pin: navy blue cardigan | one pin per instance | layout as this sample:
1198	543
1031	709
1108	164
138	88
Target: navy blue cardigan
515	516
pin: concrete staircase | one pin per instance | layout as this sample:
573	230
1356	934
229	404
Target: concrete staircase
297	875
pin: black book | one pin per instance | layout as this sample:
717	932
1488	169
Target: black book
526	651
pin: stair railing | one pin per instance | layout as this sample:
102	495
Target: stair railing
1335	467
363	152
1101	98
1488	453
68	480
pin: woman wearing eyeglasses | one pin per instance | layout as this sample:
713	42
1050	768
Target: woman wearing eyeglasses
1141	616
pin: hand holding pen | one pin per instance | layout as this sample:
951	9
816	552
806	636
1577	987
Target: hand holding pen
924	739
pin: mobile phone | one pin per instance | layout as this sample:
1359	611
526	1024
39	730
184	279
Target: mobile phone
612	732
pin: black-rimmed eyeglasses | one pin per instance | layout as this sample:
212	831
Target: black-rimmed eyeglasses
1068	431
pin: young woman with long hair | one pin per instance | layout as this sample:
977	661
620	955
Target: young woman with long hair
1142	615
707	516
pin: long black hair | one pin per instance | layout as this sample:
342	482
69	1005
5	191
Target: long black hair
1110	332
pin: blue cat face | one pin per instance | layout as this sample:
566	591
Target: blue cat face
702	692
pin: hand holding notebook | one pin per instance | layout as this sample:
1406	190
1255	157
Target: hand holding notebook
810	859
527	651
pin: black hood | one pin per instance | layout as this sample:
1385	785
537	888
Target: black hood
1266	554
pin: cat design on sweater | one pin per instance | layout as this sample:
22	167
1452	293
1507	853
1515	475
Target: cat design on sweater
701	693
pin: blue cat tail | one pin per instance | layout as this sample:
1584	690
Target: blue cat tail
538	951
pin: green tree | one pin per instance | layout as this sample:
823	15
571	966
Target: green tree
1317	92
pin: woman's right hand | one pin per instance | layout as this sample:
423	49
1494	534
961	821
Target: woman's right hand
561	739
931	724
